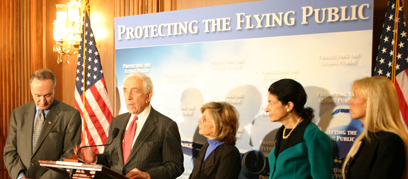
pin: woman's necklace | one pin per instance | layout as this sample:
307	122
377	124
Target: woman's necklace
284	130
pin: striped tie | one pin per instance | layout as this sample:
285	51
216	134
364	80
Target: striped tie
128	140
38	126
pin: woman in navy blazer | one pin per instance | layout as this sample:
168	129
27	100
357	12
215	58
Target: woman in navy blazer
218	158
381	149
301	149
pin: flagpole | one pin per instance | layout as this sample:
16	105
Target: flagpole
395	45
83	76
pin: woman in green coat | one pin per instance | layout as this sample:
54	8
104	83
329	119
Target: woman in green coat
301	149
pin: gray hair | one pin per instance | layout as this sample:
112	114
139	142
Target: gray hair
43	74
147	82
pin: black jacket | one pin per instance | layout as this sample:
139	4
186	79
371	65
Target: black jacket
382	157
223	162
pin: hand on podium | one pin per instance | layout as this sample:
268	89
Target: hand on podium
85	154
137	174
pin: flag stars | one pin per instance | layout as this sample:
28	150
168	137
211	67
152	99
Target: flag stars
380	72
101	71
382	60
79	63
90	51
89	67
89	59
388	28
385	39
391	52
401	44
398	66
77	78
96	53
94	77
88	83
90	43
403	34
91	35
96	61
389	64
384	50
95	69
391	17
89	75
78	71
399	56
388	74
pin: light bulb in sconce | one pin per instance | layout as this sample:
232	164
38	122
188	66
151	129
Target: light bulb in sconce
61	12
67	29
73	11
60	30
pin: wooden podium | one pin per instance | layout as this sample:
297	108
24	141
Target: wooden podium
81	170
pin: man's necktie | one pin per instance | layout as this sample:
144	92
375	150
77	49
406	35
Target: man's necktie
128	140
37	127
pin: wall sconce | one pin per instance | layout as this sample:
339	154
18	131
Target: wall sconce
67	29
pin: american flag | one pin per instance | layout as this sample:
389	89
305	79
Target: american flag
394	47
94	104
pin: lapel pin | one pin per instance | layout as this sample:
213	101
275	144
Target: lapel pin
49	122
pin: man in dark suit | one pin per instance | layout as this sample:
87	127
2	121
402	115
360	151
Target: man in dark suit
44	129
148	143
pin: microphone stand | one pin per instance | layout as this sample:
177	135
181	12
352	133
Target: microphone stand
75	158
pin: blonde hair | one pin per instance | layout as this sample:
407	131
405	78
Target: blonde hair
382	112
225	118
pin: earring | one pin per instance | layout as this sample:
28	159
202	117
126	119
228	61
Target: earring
287	110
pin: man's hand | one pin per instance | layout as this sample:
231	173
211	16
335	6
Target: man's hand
86	154
137	174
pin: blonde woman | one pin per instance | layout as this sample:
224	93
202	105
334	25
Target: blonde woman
218	158
381	149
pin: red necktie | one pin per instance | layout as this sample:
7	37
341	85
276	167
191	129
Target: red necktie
128	141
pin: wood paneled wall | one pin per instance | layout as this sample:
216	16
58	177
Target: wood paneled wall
18	48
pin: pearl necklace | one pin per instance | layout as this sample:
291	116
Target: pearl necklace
284	130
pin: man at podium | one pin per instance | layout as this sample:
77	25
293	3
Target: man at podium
148	143
44	129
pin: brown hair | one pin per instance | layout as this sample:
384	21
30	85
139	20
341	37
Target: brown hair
225	118
43	74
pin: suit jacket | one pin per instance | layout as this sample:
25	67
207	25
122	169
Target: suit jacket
309	155
382	157
157	149
60	133
223	162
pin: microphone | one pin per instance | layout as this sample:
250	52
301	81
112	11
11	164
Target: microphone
115	133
